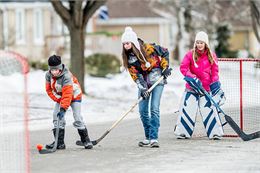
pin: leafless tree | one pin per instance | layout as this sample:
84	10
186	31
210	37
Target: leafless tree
190	16
207	15
255	14
76	17
178	13
4	41
1	30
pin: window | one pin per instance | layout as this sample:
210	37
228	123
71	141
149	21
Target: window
38	26
5	30
20	26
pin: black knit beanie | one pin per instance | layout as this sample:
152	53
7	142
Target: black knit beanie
54	62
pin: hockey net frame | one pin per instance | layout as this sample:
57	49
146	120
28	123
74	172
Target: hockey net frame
10	63
242	64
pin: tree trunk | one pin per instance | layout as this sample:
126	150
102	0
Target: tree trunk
255	15
2	43
77	44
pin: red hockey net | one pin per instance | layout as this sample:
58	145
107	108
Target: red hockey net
14	132
240	79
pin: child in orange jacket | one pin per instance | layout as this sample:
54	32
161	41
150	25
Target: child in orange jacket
64	89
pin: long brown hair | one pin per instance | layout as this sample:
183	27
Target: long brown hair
137	53
196	54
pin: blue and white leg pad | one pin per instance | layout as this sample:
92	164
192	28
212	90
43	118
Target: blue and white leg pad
186	119
210	117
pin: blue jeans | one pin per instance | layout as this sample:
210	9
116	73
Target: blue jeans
151	105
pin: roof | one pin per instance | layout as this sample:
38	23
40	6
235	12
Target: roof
236	13
130	9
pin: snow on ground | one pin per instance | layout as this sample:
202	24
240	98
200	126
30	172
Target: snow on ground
107	99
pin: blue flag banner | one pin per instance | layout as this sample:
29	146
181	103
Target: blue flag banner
103	13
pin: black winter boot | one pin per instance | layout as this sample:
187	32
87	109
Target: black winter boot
61	144
85	139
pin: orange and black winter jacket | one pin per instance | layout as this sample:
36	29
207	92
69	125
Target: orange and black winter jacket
63	89
146	77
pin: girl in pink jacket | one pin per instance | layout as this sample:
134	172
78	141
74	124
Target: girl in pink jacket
201	65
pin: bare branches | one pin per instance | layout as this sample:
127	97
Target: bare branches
62	11
255	14
90	8
75	16
167	9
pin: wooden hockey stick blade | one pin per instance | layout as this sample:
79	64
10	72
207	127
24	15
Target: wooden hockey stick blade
95	142
79	143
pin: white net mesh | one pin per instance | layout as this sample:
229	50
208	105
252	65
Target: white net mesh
240	81
13	114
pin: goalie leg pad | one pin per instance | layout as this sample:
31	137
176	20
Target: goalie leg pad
210	117
186	119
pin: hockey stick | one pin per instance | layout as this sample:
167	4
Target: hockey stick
95	142
230	121
47	151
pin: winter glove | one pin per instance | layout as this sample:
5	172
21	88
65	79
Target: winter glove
195	84
61	114
145	94
215	87
166	72
217	93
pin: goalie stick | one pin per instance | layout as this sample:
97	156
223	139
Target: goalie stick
47	151
230	121
95	142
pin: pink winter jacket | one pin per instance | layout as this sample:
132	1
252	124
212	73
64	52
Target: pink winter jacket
205	72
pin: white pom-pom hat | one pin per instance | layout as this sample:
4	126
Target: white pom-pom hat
130	36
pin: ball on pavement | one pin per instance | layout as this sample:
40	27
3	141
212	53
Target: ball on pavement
39	146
